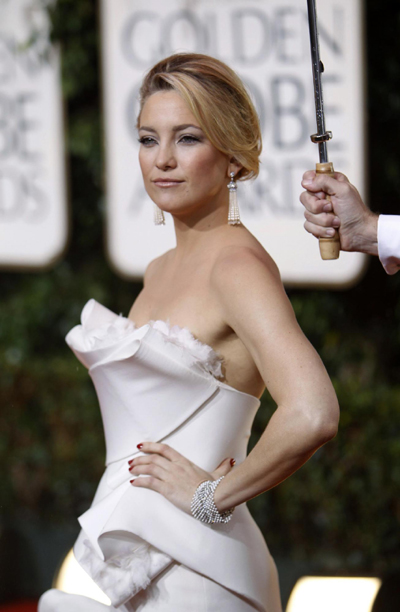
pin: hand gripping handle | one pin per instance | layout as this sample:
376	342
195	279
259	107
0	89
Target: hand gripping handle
328	247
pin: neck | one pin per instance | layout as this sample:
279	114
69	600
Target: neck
200	226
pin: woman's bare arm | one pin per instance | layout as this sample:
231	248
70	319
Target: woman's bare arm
255	306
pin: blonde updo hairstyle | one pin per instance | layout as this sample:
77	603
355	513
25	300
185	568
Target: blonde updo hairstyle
219	101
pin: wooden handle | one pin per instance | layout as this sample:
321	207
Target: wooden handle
328	247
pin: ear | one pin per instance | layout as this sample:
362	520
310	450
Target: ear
234	166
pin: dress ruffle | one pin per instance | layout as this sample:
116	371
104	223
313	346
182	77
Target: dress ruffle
125	573
102	329
94	338
202	353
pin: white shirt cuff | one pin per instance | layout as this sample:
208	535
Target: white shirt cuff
389	242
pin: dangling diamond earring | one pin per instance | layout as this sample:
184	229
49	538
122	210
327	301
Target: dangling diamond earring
159	218
233	215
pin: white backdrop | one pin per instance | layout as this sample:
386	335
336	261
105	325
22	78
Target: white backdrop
33	211
267	43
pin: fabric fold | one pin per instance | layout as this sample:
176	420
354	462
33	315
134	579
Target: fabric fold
145	406
102	333
129	570
171	535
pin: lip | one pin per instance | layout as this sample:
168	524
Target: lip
167	182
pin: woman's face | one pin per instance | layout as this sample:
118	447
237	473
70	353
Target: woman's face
181	169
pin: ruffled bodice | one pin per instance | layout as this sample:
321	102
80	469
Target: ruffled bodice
158	383
101	329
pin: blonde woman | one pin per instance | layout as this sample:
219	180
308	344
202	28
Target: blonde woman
179	379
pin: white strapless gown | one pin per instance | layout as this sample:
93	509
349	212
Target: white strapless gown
159	383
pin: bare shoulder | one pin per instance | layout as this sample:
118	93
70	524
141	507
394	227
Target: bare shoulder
243	263
248	288
155	267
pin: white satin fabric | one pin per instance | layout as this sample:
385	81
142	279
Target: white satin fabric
177	589
389	242
159	383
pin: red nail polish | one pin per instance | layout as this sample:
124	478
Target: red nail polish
130	461
139	446
232	462
132	481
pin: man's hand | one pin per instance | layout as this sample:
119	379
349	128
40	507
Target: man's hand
346	212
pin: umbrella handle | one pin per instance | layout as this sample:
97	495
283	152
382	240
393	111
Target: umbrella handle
328	247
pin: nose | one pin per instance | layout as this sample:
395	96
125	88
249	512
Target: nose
165	157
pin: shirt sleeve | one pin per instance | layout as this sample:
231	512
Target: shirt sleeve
389	242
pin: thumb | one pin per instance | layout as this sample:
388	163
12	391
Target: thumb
223	469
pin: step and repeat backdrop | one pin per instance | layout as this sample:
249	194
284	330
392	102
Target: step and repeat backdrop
266	42
33	203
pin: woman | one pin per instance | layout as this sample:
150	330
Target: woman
177	413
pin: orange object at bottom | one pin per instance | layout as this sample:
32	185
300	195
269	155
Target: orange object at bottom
20	606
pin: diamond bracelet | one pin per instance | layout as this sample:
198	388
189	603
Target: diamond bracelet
203	507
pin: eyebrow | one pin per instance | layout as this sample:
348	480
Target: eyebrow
177	128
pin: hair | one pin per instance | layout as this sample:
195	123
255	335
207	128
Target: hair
217	98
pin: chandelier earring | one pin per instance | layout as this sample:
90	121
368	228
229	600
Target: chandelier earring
233	215
159	218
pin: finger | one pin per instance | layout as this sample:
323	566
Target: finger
149	482
322	182
322	219
146	459
318	231
149	469
342	178
309	175
321	195
160	449
313	203
224	468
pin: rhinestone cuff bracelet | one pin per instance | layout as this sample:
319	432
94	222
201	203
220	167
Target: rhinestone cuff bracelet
203	507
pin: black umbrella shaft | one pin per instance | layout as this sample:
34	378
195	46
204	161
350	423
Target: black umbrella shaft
317	69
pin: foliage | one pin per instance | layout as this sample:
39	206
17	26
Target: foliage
341	510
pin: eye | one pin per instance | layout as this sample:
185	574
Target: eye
189	139
147	141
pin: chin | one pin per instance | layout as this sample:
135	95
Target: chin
169	205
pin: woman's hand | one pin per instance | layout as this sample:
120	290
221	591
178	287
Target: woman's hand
171	474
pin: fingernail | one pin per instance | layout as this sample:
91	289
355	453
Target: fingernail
232	462
133	480
307	183
130	461
327	207
131	468
330	232
139	446
336	222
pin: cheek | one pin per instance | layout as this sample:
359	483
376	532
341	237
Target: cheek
145	162
206	167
